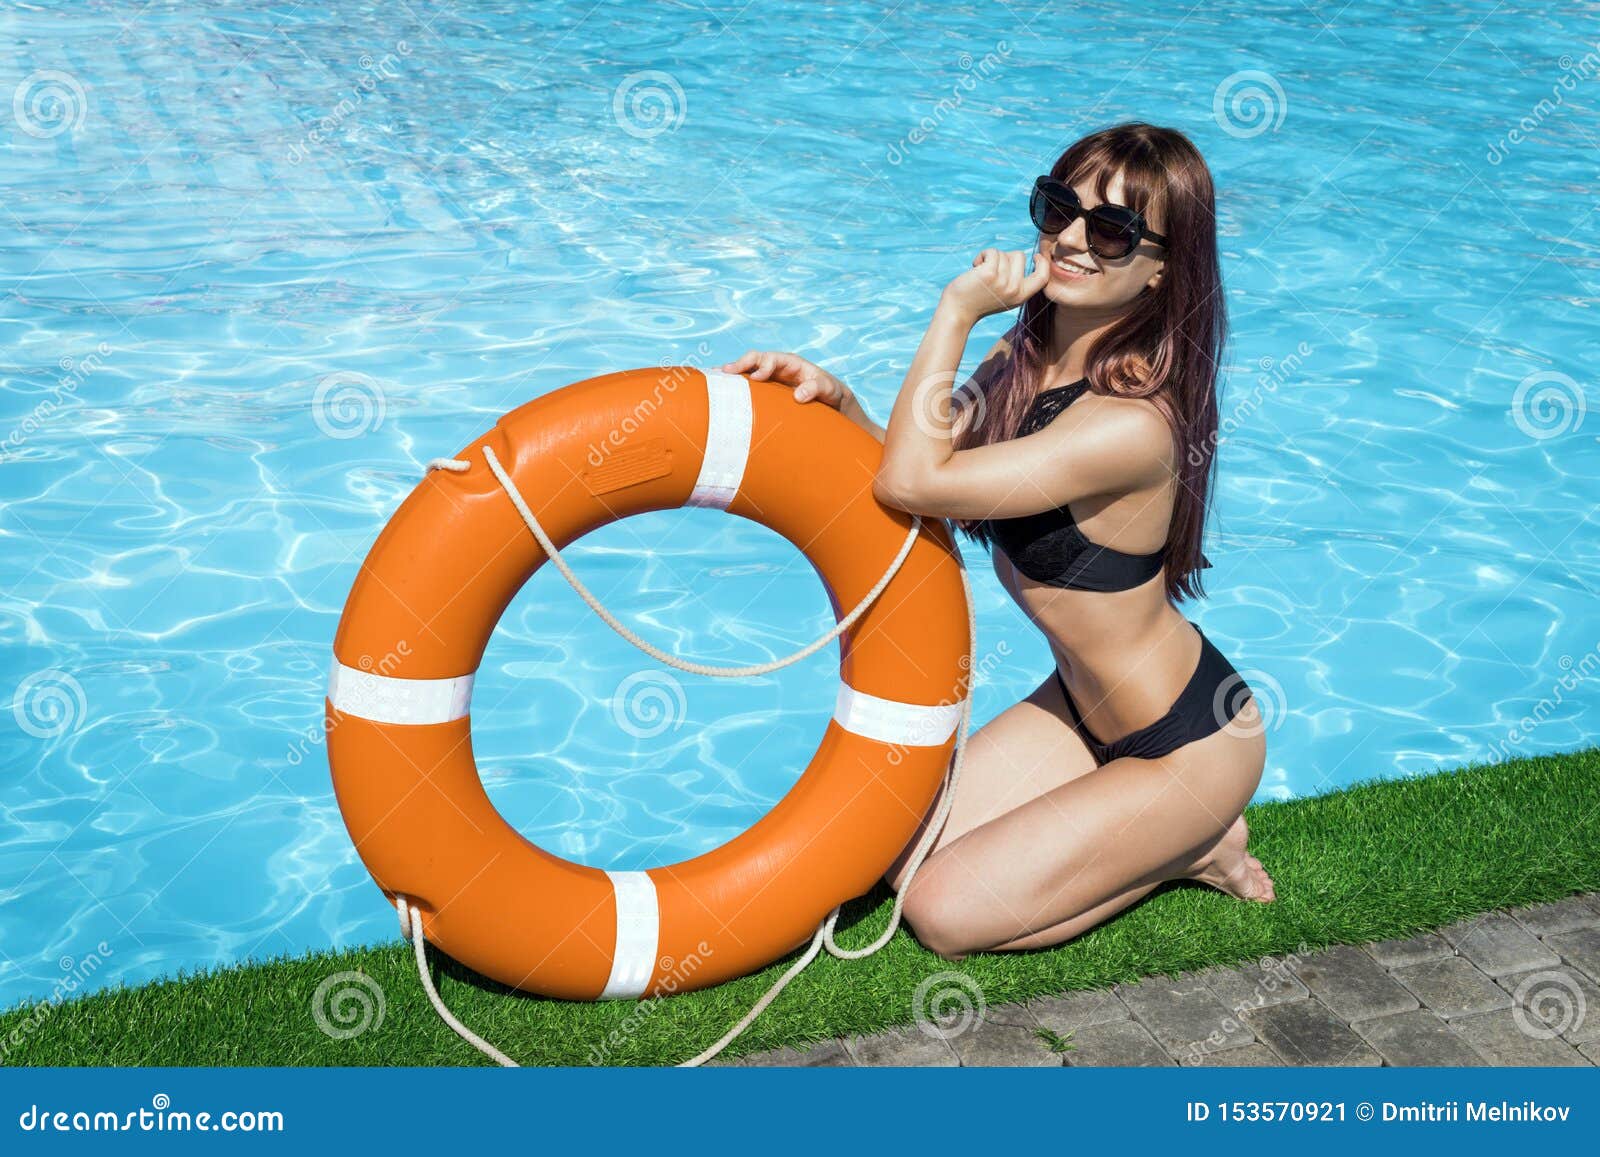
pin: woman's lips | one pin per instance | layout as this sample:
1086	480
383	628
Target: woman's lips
1070	271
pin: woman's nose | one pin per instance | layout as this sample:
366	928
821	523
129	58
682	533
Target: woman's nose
1075	236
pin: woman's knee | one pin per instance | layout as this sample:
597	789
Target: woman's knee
932	913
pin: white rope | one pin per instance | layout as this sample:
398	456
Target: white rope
411	918
656	653
935	826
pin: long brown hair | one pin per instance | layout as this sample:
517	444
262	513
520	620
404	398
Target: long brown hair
1169	346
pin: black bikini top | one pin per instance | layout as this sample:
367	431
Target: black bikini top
1048	547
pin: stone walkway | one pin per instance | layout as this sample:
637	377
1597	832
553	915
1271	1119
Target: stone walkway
1505	988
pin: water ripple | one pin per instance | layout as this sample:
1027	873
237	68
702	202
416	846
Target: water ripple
1404	555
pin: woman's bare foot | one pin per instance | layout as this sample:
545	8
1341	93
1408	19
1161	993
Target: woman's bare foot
1229	867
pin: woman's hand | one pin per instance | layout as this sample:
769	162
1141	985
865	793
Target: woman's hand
996	282
809	381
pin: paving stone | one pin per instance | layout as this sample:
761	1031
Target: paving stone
1498	944
900	1047
1580	948
1255	984
1562	998
1184	1013
1563	916
826	1054
1249	1055
1121	1044
1412	950
1294	1006
1500	1036
1418	1038
1304	1032
1352	984
1452	987
1006	1034
1075	1010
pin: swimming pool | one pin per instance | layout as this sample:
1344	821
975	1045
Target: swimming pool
264	265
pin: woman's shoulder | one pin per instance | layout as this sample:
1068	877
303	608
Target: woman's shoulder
1135	423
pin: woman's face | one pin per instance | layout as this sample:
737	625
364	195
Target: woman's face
1081	280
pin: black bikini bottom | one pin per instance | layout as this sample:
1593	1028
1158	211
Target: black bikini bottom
1214	694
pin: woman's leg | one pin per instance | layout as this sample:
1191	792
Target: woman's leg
1025	751
1225	864
1060	863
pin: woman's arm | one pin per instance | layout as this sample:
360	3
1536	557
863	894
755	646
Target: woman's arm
851	408
919	441
1113	445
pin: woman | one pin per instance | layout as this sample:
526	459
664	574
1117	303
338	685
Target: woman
1082	450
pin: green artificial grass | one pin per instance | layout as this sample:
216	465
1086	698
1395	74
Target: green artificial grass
1373	861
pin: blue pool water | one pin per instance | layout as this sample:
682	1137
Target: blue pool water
260	266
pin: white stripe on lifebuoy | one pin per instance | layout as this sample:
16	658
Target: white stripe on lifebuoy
385	699
638	932
727	441
890	721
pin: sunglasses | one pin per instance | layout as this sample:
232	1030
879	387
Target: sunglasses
1113	230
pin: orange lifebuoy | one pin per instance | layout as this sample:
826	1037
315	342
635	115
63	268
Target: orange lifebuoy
442	572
